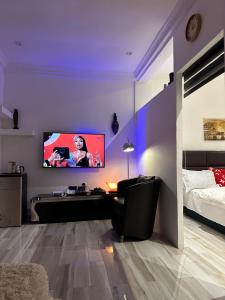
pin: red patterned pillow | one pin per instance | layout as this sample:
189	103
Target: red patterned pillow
219	176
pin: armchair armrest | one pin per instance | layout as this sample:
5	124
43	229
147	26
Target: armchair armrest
119	200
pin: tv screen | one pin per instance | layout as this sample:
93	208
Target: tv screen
73	150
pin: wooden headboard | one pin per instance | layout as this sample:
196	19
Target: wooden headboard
202	160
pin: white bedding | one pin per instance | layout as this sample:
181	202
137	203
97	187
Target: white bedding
209	203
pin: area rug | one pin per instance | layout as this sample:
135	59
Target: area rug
24	282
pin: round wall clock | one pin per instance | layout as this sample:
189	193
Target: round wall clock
193	27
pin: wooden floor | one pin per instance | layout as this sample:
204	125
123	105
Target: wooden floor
84	261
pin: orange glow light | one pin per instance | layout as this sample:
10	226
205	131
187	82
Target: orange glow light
109	249
112	186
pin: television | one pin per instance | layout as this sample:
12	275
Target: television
73	150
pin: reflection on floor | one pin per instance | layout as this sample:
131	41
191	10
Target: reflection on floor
84	261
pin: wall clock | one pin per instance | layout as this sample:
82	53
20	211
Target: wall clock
193	27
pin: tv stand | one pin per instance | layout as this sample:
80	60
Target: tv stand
47	208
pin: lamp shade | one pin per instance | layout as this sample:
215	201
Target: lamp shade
128	147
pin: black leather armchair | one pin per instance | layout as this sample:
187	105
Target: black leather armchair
134	208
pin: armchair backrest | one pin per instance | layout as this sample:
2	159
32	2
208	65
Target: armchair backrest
126	183
123	185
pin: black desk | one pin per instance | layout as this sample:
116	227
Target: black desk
51	209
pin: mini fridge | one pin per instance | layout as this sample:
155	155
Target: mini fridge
13	199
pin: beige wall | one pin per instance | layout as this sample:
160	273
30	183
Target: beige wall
67	105
207	102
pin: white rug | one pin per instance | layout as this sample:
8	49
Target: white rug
23	282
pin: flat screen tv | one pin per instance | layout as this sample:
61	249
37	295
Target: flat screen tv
73	150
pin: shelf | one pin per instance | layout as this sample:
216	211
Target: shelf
18	132
5	113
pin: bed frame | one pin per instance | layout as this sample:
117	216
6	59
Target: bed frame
202	160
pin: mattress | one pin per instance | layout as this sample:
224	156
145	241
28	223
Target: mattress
209	203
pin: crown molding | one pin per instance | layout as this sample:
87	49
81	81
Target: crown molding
163	36
3	59
63	72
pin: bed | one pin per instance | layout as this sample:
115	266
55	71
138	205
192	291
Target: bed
205	205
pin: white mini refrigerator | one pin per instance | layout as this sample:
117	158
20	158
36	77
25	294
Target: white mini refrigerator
13	199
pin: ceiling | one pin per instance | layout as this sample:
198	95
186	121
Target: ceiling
86	35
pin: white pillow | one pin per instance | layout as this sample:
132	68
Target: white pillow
198	179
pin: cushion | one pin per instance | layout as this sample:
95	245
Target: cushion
198	179
219	176
142	178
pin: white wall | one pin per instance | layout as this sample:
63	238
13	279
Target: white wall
143	91
207	102
68	105
155	77
213	21
2	81
156	155
146	90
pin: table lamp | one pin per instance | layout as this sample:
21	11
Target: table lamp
112	186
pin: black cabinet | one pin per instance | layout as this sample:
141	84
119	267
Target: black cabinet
13	199
71	208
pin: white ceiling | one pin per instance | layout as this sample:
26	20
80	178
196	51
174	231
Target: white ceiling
82	34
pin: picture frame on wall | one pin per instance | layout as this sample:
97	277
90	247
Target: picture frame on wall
214	129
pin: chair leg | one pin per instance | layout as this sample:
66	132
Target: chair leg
121	238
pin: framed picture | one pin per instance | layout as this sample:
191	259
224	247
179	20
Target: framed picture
214	129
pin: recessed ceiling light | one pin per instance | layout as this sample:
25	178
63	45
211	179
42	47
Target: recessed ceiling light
18	43
129	53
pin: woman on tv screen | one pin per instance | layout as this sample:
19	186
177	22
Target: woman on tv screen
70	150
80	157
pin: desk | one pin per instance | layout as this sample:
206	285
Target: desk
47	208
